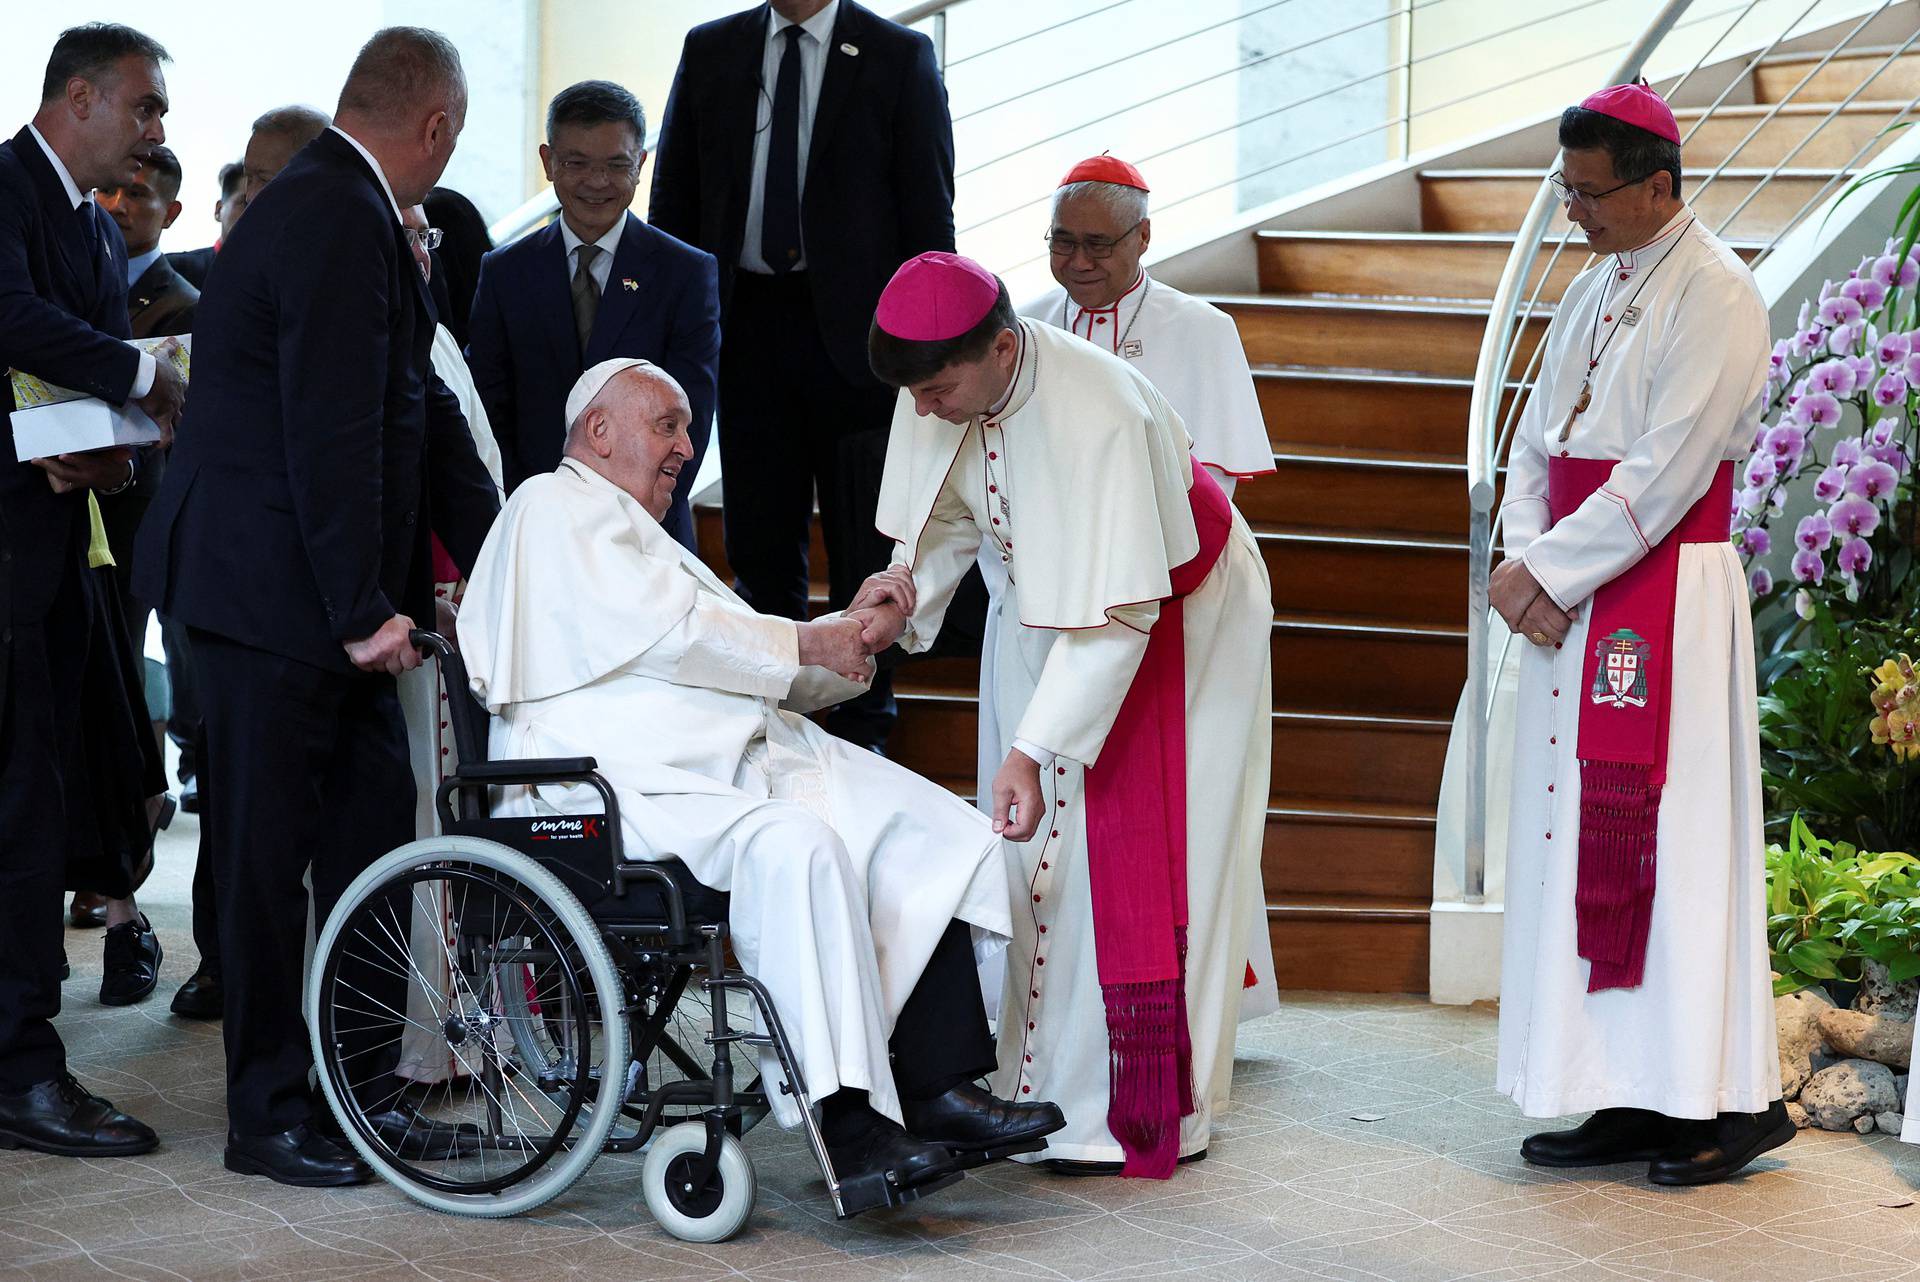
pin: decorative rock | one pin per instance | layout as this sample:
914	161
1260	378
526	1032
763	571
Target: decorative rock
1834	1097
1799	1116
1863	1124
1889	1123
1879	995
1861	1036
1900	1084
1798	1015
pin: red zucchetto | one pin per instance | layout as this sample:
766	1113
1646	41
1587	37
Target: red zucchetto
1636	105
1106	169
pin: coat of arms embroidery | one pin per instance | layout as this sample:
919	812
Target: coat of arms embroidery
1621	679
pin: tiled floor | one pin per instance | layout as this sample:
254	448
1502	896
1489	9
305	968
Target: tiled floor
1295	1186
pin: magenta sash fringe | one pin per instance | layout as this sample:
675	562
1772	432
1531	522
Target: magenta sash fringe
1625	701
1136	800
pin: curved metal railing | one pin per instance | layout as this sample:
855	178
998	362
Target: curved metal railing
1491	427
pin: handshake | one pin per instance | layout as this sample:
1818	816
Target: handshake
875	620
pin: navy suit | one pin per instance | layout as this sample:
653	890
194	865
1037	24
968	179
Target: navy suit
801	414
525	353
63	316
316	452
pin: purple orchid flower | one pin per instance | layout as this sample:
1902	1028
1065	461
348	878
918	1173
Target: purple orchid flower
1835	377
1846	452
1893	349
1890	390
1816	409
1866	291
1762	470
1856	556
1756	541
1854	517
1814	533
1843	339
1871	480
1761	581
1891	455
1808	567
1840	310
1831	485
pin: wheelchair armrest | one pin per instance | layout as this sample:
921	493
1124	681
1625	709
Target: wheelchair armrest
527	770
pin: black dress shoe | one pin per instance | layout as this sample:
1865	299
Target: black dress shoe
201	996
61	1116
967	1119
298	1157
190	795
882	1147
406	1134
1718	1149
1610	1136
1073	1166
132	963
88	911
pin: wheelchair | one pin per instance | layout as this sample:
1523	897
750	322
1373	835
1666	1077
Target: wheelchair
575	1003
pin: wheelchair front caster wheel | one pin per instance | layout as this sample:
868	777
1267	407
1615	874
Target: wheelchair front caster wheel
691	1213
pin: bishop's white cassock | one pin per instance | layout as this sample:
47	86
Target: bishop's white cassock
1091	466
1677	390
1191	352
588	631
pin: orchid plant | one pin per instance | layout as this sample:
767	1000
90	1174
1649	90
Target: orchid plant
1843	398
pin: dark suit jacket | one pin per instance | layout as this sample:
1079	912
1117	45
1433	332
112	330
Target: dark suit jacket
161	301
526	357
879	183
63	317
317	447
192	265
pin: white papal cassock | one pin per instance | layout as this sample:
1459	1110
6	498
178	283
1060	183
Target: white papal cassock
1191	352
423	698
588	631
1677	390
1084	457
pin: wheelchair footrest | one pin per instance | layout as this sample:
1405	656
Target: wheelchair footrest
968	1160
873	1191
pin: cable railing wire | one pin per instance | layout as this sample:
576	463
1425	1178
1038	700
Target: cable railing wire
1040	31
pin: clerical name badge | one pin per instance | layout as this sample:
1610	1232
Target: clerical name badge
1621	679
1132	348
1631	316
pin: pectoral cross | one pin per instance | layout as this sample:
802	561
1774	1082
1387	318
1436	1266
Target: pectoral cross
1579	405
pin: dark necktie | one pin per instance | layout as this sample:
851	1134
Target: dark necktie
586	295
780	204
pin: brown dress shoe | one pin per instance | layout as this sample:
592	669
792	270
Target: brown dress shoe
89	911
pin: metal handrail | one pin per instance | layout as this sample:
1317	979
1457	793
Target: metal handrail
1490	432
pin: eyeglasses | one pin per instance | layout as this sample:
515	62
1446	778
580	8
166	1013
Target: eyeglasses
1567	195
1061	246
427	238
618	170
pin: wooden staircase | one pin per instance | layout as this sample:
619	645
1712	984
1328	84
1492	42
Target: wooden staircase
1363	346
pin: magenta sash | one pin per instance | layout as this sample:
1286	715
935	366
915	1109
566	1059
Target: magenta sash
1136	800
1625	707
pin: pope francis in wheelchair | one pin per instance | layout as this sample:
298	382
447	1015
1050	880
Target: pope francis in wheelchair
645	799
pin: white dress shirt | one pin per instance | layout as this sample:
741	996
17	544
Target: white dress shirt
378	172
601	269
149	367
813	69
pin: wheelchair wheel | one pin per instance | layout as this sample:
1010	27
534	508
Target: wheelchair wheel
422	951
694	1214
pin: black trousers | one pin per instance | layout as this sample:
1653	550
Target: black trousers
42	668
302	767
791	428
941	1037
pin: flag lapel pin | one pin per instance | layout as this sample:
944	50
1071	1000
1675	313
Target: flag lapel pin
629	284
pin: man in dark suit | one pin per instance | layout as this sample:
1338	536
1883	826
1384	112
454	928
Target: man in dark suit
192	264
291	536
595	284
63	318
807	146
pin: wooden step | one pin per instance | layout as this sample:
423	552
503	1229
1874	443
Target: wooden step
1431	336
1454	265
1325	850
1361	577
1776	77
1381	758
1312	410
1332	665
1360	491
1497	199
1347	947
1828	143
